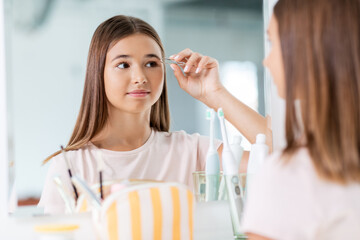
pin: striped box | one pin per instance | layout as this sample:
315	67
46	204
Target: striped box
149	211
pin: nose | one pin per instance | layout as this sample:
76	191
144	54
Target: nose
139	76
140	81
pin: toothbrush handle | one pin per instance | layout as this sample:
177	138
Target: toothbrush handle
212	187
235	201
65	195
222	190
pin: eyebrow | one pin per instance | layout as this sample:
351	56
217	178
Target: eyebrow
150	55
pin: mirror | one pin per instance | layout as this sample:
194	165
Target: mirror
47	45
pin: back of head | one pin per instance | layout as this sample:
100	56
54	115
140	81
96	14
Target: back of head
320	42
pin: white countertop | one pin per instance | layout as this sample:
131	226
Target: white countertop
211	221
22	227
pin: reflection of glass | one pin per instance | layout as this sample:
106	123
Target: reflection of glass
199	187
199	179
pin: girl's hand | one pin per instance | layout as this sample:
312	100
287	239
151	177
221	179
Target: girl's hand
201	79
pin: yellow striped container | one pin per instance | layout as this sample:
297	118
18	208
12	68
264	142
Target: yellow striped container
153	211
83	204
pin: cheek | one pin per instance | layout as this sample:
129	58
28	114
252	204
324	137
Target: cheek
275	65
280	74
113	86
271	63
156	78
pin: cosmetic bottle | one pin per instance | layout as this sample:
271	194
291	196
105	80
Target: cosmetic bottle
258	153
237	149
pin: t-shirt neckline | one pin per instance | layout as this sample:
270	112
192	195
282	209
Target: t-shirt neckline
145	146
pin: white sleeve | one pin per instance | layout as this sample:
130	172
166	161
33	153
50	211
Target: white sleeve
51	199
277	202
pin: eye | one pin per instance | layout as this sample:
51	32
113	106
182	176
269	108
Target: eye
152	64
123	65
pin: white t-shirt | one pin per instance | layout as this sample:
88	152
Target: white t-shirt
289	201
164	157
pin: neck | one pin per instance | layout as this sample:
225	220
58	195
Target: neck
124	131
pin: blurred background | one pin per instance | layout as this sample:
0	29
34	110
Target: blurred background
47	43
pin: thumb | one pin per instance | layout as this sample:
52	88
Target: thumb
182	80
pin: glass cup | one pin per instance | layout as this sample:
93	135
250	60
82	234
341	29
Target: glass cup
199	188
199	179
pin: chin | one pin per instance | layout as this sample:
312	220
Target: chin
137	108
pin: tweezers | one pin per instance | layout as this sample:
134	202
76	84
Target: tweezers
171	61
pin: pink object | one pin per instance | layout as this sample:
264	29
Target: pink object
117	187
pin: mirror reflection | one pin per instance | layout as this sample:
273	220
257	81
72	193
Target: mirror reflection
48	43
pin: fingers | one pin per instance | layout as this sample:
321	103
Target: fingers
186	53
192	62
202	63
189	57
195	62
182	80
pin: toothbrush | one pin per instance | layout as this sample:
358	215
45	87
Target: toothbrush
85	189
65	195
212	168
69	171
100	166
222	190
231	176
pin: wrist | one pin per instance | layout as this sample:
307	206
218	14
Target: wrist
214	98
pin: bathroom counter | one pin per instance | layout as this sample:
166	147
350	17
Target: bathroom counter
211	222
22	227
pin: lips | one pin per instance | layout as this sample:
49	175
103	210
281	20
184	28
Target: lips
139	93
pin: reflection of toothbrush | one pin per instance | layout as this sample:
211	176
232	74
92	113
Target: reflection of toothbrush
68	165
231	175
85	189
65	195
212	169
100	166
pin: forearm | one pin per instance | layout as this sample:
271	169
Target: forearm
205	86
246	120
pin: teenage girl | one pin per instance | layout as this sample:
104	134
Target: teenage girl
124	115
310	190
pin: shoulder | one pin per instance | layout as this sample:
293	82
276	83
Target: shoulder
176	134
282	189
194	139
279	165
186	138
179	136
287	192
74	157
286	174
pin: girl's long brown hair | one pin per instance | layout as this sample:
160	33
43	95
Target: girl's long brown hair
93	112
320	42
